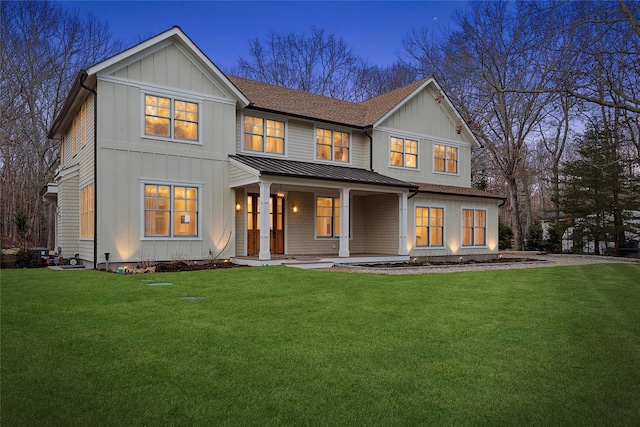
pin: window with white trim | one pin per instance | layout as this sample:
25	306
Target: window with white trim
404	153
327	216
429	226
445	158
332	145
474	227
170	118
170	211
86	211
263	135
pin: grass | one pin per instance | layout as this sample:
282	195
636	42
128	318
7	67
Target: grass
282	346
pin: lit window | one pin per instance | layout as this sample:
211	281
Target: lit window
170	118
86	211
404	153
445	158
170	211
332	145
429	226
474	227
266	136
328	216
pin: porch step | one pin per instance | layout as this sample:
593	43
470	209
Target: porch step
310	263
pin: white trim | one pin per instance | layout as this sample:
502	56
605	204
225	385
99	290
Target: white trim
401	103
67	173
164	89
429	138
172	184
486	216
444	225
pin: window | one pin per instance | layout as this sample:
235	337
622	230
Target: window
86	211
404	153
474	227
332	145
83	122
327	216
76	135
429	226
445	158
170	118
266	136
170	211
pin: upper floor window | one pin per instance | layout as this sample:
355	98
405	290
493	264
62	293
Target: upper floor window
170	118
445	158
332	145
429	226
263	135
327	216
170	211
474	227
404	153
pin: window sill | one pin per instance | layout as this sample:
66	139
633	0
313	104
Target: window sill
162	138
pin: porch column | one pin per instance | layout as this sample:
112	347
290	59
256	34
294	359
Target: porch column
264	221
402	222
344	223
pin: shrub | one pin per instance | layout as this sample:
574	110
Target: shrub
25	259
505	234
535	240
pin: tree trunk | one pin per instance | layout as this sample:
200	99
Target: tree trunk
518	236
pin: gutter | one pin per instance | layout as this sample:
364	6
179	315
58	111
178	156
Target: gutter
370	147
82	77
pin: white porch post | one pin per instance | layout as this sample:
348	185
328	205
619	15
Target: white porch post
264	220
344	223
402	220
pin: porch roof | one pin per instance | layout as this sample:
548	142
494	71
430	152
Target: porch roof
281	167
458	191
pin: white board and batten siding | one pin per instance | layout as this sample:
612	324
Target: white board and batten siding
128	158
424	119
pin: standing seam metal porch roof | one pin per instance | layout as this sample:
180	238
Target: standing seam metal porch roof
280	167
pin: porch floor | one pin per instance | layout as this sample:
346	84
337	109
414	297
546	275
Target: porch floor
319	261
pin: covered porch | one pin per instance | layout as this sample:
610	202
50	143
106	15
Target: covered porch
288	210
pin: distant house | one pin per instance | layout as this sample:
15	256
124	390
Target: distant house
165	157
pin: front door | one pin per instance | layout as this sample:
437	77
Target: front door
276	221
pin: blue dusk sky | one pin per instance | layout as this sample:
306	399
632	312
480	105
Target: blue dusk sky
222	29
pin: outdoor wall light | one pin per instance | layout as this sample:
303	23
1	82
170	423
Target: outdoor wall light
238	206
295	209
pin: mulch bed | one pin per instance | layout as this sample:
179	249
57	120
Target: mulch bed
169	267
448	263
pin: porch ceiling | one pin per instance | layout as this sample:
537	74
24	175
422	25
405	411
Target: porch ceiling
291	168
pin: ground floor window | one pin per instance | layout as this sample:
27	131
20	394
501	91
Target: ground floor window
170	211
86	211
429	226
474	227
327	216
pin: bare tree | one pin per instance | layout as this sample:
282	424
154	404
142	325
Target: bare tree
498	48
319	63
42	47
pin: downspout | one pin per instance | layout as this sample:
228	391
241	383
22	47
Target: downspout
415	193
95	168
370	147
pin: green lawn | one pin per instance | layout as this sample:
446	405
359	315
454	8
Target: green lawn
282	346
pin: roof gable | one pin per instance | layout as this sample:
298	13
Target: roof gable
370	113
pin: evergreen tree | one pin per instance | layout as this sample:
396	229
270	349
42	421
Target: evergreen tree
601	188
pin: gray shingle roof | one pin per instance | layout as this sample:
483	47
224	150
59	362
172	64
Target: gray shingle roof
281	167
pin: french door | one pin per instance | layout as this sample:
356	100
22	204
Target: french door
276	224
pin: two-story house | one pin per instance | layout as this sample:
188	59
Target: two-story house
165	157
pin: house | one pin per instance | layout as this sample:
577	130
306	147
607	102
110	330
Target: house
165	157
